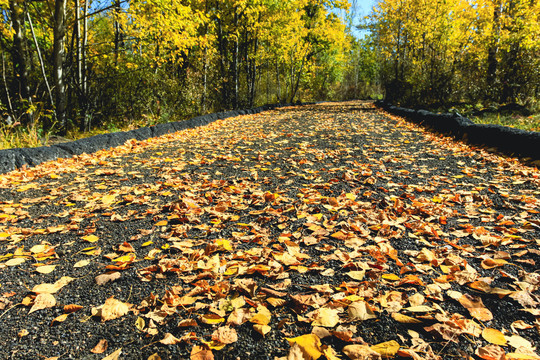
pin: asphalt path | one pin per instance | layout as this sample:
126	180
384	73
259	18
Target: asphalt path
321	231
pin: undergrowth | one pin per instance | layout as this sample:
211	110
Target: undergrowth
530	123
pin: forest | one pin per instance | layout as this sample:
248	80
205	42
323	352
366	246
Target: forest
74	68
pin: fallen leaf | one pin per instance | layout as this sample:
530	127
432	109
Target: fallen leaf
105	278
43	301
81	263
59	319
490	352
113	356
361	352
476	307
100	347
387	348
169	339
225	335
200	353
360	310
112	309
90	238
325	317
492	263
404	319
45	269
494	336
357	275
310	345
15	261
52	288
68	309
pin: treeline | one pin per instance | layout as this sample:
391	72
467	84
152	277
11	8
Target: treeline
441	52
82	63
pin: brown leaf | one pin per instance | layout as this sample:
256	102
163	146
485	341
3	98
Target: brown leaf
68	309
200	353
52	288
476	307
105	278
43	301
113	356
169	339
361	352
360	310
225	335
100	347
112	309
490	352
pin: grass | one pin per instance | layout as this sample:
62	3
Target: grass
530	123
17	136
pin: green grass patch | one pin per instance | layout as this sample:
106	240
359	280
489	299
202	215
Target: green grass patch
530	123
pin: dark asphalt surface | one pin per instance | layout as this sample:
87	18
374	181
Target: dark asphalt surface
291	211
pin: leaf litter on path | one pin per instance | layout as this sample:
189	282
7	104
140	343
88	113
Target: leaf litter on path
326	231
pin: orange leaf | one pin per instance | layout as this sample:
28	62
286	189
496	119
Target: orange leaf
494	336
100	347
476	307
200	353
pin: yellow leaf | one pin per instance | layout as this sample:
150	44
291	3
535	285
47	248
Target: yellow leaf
150	242
52	288
112	309
126	258
392	277
113	356
494	336
310	345
387	348
262	329
15	262
45	269
212	319
81	263
139	323
108	199
36	249
492	263
59	319
357	275
361	352
261	319
162	223
326	317
90	238
360	310
404	319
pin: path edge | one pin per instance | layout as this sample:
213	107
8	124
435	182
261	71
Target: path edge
13	159
514	142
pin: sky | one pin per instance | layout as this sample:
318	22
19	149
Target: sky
363	8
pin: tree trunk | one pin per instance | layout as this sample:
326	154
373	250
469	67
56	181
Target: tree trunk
492	62
20	57
42	65
58	63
